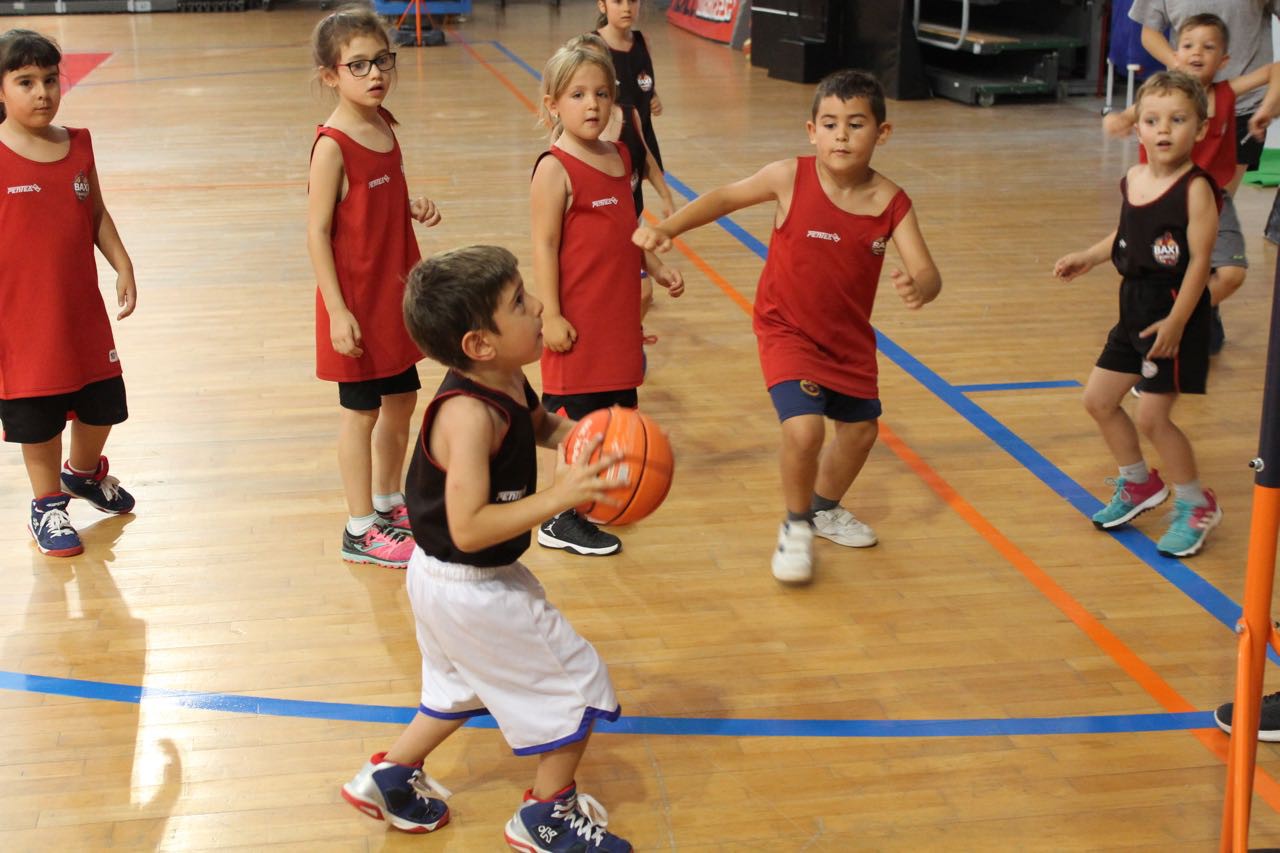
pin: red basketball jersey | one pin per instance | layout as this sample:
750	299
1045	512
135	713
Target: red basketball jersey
374	248
1216	153
599	284
55	336
813	305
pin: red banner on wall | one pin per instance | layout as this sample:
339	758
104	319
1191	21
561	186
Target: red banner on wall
713	19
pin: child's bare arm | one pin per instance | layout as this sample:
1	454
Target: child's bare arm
771	182
1202	231
549	428
324	186
669	277
548	197
921	282
1255	79
653	172
1269	107
1119	124
108	241
1078	263
461	439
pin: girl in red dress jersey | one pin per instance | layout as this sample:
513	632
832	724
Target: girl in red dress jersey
585	265
58	360
361	242
833	220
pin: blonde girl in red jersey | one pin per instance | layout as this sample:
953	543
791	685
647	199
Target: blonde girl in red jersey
361	242
585	265
58	360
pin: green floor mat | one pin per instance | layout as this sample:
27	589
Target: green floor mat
1268	172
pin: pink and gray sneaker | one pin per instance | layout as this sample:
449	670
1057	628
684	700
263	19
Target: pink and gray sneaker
380	545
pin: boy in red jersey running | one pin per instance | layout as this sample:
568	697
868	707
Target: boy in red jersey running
66	366
833	219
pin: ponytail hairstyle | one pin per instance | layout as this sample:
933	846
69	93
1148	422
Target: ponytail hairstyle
20	48
559	71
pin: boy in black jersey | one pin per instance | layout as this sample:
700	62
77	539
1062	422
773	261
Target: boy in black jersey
1162	248
490	641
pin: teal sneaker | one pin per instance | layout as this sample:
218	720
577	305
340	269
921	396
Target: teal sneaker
1190	527
1130	500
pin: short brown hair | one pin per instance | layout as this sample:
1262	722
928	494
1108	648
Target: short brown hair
336	30
847	85
1164	82
452	293
1205	19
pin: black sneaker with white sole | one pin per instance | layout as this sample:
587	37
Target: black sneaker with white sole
571	532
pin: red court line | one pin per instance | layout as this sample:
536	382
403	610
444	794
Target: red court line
1128	660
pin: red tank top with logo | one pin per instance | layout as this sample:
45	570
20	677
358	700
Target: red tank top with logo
599	283
55	335
1216	153
374	248
813	305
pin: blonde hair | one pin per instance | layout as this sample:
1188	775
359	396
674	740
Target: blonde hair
336	30
559	71
1166	82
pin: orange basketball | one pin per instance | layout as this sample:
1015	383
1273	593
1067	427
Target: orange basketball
646	464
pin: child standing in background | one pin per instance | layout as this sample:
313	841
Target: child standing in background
66	367
362	245
585	265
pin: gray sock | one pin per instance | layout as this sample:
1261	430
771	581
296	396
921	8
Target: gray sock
1190	493
1136	473
806	517
821	504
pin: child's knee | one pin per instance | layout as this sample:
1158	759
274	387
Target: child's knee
860	434
1226	281
1099	406
803	435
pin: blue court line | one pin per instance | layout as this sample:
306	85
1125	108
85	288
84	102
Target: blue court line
1203	593
1017	386
686	726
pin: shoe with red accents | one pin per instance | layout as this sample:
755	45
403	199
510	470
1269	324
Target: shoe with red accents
99	488
400	794
397	518
51	526
569	823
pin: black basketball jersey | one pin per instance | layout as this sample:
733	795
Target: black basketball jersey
636	86
513	474
1151	240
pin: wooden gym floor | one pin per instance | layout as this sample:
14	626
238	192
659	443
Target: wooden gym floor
995	675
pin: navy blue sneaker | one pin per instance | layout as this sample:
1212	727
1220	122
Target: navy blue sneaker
571	823
398	794
98	488
51	526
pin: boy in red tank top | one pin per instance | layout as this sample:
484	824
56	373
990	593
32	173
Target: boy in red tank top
833	220
361	242
66	367
1201	51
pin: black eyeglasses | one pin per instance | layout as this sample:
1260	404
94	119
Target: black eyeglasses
362	67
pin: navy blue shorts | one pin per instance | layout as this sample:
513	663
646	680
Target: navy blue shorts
367	395
35	420
803	397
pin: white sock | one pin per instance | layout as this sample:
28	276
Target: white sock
358	525
1136	473
74	470
1191	493
386	503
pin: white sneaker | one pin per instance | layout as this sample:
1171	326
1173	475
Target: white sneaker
793	558
839	525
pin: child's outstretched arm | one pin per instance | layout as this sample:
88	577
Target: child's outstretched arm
1255	79
1269	107
922	282
549	197
665	276
1121	123
1202	231
324	188
462	438
425	211
107	238
1154	43
774	182
1077	264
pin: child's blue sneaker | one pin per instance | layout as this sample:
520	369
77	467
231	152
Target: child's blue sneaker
98	488
571	823
51	526
1130	500
398	794
1190	527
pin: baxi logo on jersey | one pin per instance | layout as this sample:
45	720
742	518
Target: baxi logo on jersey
878	245
644	81
1166	250
81	186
